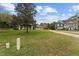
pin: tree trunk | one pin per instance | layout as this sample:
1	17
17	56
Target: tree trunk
30	27
33	27
27	29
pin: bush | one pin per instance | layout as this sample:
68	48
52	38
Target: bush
4	25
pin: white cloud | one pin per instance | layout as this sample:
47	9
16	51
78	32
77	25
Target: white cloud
69	15
38	8
8	6
44	10
48	19
70	10
50	9
74	8
65	16
52	18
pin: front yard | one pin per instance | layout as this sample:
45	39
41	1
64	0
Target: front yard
38	42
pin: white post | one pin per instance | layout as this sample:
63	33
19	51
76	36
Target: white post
8	45
18	44
19	27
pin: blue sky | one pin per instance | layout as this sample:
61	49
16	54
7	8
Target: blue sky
47	12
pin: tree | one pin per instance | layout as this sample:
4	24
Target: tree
5	20
25	14
52	26
14	22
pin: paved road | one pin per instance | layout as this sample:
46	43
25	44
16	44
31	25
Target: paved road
65	33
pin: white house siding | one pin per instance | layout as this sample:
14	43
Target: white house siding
69	26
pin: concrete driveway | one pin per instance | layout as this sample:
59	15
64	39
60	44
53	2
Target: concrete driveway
65	33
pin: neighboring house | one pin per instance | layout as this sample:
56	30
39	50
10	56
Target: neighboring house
42	26
67	26
71	24
38	27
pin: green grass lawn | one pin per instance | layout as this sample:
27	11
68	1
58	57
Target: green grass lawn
38	42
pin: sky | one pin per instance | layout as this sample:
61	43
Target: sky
46	12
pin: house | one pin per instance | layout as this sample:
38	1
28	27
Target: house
67	26
38	27
70	24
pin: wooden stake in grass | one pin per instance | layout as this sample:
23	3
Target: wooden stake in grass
18	44
8	45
